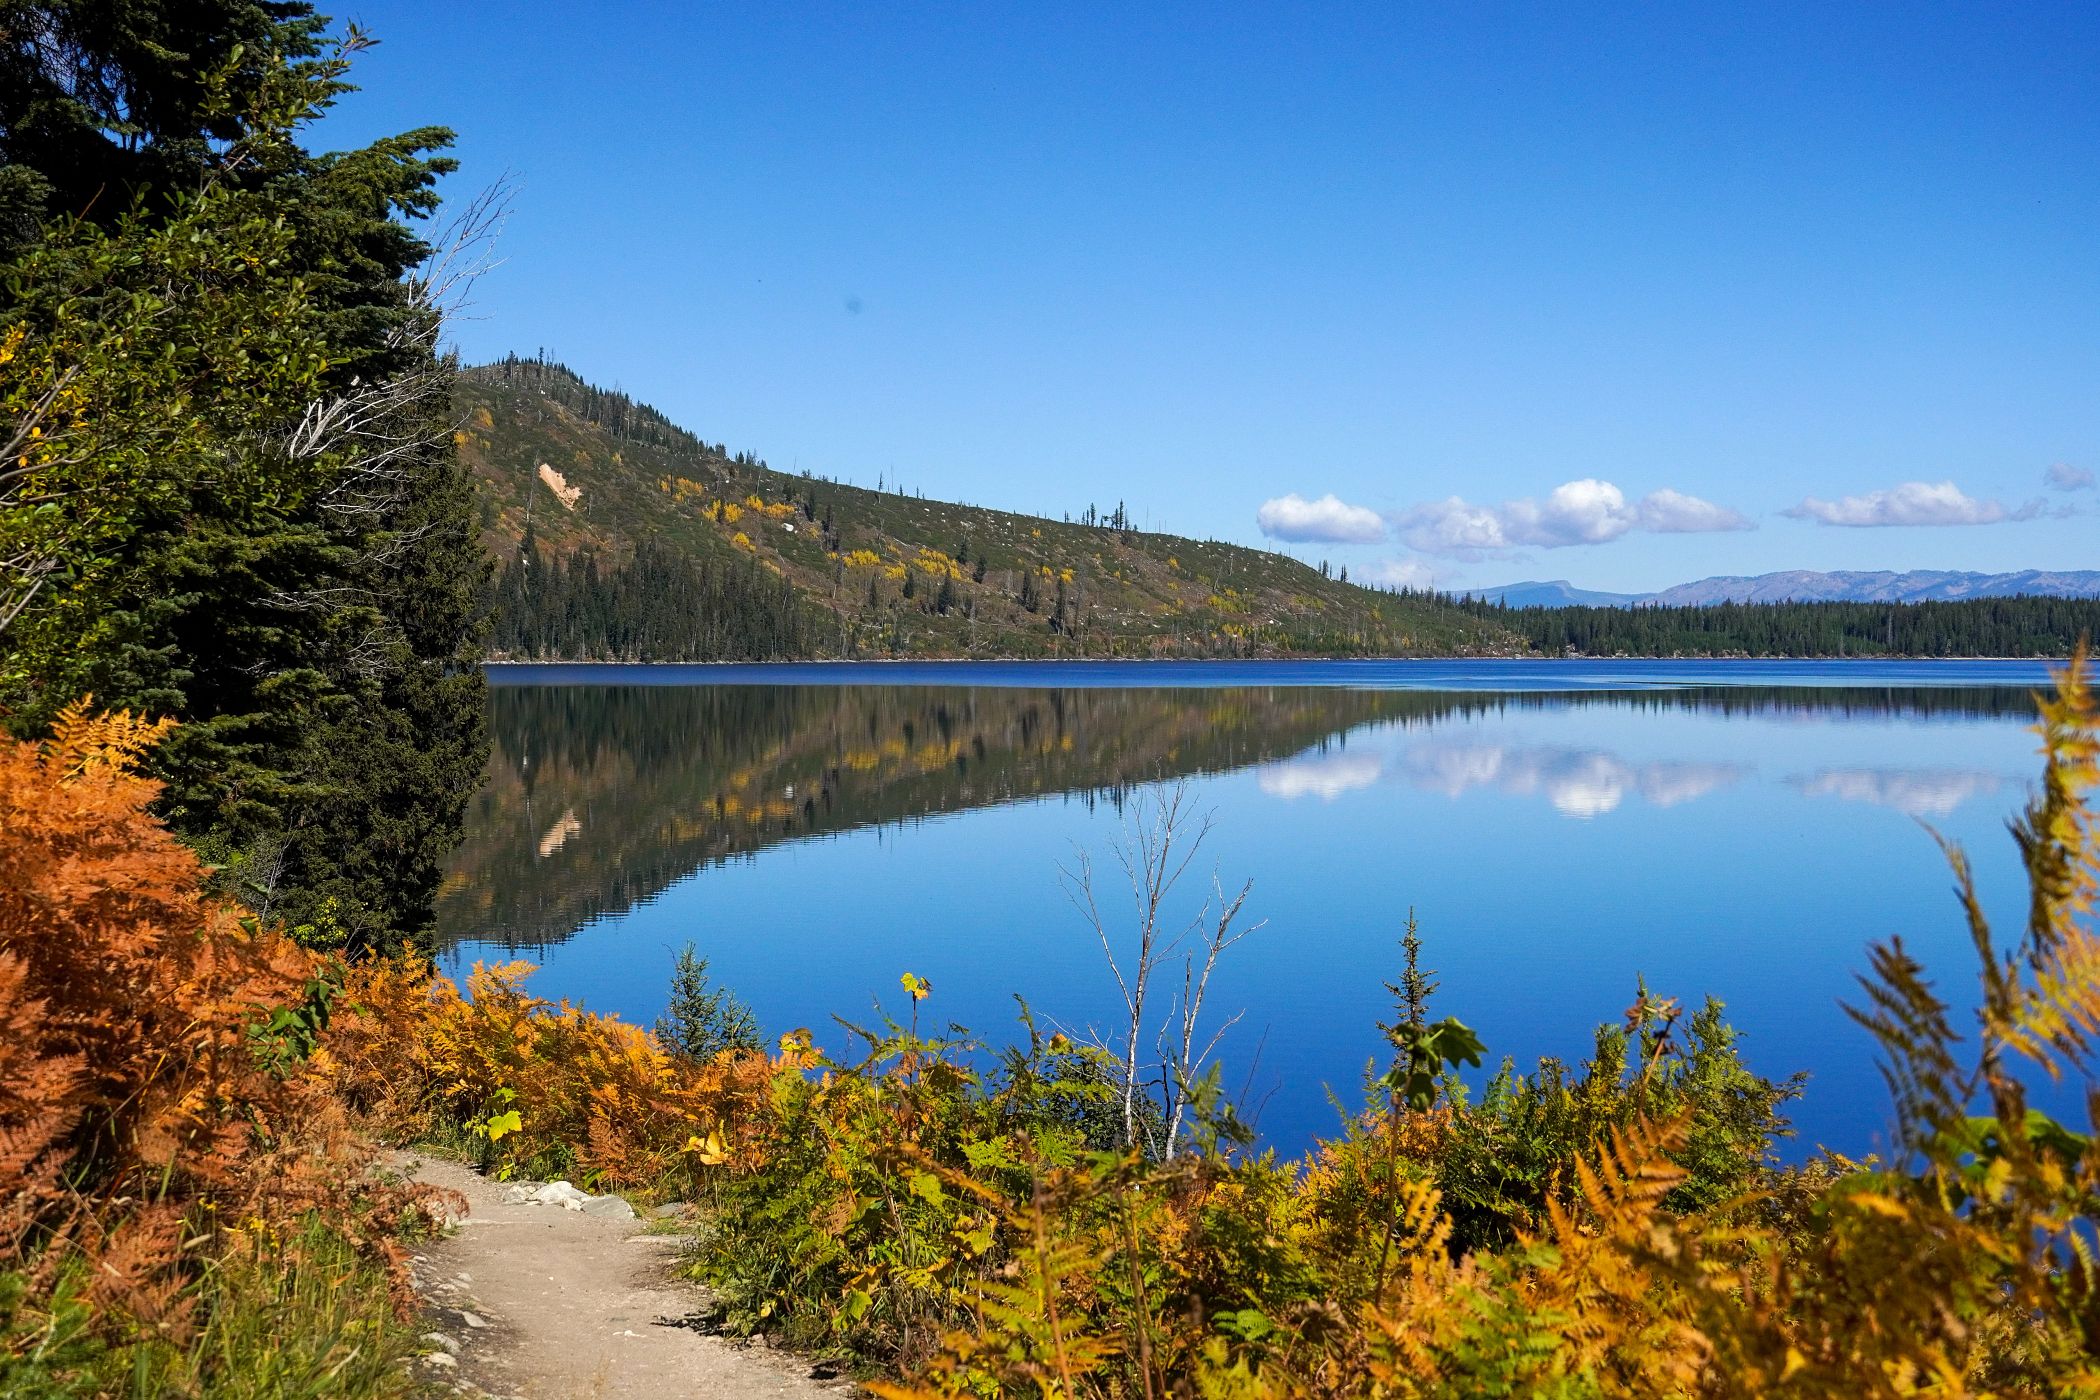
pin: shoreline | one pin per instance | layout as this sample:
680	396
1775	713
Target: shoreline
1482	674
489	662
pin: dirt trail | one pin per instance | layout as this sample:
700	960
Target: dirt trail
543	1303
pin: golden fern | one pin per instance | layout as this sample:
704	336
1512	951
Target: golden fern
83	740
1925	1081
1027	1337
2059	1014
1601	1286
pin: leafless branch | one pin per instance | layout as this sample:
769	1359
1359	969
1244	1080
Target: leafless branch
1156	849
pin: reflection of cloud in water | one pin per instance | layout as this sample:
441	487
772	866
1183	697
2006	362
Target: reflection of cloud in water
1921	792
1325	776
1582	783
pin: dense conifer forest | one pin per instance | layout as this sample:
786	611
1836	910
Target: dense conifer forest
2047	627
658	606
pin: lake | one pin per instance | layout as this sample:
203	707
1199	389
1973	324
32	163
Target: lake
1739	829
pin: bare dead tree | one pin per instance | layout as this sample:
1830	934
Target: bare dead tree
1159	842
1182	1063
24	572
372	423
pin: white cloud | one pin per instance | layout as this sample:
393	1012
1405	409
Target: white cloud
1578	512
1329	520
1668	512
2064	477
1912	503
1399	573
1452	527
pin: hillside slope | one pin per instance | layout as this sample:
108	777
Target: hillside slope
621	535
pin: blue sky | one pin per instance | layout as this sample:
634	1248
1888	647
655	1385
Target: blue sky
1622	294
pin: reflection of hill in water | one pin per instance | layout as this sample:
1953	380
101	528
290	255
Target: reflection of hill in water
601	797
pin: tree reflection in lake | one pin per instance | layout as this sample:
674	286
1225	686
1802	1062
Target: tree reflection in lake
600	797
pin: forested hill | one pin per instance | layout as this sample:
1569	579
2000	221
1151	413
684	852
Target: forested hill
620	535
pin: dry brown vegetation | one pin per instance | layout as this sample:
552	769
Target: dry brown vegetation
160	1127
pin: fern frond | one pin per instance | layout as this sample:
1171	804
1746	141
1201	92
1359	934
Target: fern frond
2058	1016
2056	831
1625	1190
1917	1044
83	739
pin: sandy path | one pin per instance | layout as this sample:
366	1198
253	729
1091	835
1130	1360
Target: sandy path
550	1304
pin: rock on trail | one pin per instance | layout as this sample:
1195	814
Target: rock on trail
546	1293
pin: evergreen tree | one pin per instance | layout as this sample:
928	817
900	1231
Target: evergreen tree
304	598
702	1019
660	606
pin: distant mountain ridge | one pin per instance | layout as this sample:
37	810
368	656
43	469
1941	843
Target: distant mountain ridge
1809	586
1550	593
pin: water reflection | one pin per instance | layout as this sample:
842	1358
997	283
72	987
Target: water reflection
1580	783
1322	775
1920	792
599	798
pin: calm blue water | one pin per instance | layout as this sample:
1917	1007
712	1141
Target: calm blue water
1484	674
1735	828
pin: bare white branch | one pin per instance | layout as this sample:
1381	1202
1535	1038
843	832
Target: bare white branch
1156	849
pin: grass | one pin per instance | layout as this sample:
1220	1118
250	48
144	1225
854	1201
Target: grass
301	1315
